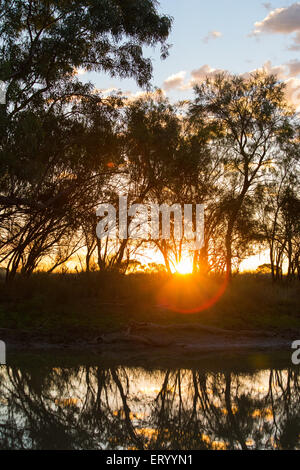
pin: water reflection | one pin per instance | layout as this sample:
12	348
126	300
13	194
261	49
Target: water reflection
90	407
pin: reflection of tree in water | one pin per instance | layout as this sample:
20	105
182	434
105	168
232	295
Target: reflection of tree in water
226	415
94	407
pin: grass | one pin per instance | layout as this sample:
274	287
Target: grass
81	305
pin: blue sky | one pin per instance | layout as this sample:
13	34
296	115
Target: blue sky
227	26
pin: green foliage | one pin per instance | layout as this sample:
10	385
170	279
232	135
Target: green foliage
43	42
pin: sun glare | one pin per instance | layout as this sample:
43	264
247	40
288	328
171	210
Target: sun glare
184	267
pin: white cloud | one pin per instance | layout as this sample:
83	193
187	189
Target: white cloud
293	91
131	97
288	73
282	21
285	71
199	75
211	36
294	67
279	70
175	81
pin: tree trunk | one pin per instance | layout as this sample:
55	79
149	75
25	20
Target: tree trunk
228	243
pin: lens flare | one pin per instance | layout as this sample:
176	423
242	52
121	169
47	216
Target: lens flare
191	294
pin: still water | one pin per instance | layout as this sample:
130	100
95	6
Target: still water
92	404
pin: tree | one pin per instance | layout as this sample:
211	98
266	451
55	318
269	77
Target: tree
54	166
278	214
58	134
152	139
251	116
44	42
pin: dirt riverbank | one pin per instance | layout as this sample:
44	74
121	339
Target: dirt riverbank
172	339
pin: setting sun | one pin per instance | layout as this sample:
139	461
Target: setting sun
184	267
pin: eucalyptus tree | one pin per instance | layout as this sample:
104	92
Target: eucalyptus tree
169	162
152	136
251	117
56	167
291	221
278	216
56	130
279	212
43	42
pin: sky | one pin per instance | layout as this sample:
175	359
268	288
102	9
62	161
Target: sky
239	36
